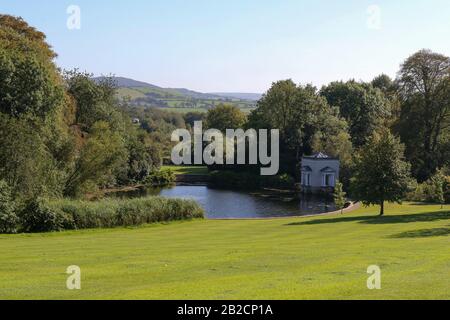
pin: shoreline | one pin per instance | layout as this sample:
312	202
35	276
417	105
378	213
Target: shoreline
353	207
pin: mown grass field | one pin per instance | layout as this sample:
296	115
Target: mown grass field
296	258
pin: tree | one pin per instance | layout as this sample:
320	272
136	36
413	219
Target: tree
305	121
29	80
225	116
191	117
95	101
102	156
339	197
380	172
424	125
364	107
29	35
35	144
334	140
436	188
8	217
440	194
25	161
60	135
447	189
384	83
27	87
143	156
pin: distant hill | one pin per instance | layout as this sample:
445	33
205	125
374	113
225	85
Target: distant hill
239	95
126	82
177	99
195	94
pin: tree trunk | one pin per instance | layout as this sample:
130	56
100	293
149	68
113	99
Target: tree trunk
382	208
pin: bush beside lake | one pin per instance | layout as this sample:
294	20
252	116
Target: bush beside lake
43	216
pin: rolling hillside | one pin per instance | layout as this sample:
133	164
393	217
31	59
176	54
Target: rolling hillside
178	99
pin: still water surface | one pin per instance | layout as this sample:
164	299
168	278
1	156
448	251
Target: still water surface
220	204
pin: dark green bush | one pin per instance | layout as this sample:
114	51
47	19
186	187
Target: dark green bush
160	178
8	218
38	216
434	190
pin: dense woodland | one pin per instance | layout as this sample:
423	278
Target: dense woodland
62	134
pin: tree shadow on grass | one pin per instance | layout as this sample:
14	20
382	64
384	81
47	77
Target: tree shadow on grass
405	218
424	233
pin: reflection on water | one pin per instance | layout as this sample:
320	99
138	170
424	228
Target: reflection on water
219	204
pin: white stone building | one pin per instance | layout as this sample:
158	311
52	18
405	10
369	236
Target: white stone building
319	172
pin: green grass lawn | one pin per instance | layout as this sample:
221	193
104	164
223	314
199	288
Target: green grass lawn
296	258
187	169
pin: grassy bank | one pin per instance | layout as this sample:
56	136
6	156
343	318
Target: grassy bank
295	258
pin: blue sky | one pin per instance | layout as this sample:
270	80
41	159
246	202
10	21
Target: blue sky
239	45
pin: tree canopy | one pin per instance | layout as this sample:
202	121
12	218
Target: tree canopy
224	117
305	121
381	172
424	124
364	107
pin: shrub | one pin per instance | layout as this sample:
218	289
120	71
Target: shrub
109	213
8	217
434	190
447	189
160	178
38	216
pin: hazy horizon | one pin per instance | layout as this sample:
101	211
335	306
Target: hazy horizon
239	46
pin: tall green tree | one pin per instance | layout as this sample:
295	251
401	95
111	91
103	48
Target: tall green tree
364	107
35	143
17	34
8	217
94	101
27	87
65	134
144	156
384	83
225	116
434	188
25	161
381	174
191	117
30	83
304	118
102	157
424	125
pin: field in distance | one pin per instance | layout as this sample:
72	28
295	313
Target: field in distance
179	99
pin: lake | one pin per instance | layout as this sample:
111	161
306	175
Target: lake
225	204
